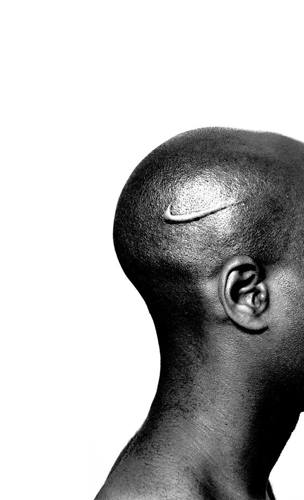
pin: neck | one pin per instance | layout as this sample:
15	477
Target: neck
220	425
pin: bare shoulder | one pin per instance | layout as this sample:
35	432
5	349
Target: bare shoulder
115	492
118	495
111	495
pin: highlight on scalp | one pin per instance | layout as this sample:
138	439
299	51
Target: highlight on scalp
241	183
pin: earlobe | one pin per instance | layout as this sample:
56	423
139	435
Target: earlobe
243	293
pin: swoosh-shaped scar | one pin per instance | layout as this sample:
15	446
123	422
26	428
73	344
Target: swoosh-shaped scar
169	217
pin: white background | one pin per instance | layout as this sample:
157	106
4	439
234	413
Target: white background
88	88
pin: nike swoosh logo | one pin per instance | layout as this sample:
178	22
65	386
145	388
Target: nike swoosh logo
169	217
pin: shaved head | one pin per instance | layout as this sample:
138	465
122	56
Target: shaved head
201	198
210	230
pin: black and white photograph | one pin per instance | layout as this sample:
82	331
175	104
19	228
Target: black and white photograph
152	279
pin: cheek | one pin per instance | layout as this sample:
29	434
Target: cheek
286	324
286	303
287	318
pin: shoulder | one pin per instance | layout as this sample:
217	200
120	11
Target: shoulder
108	495
111	493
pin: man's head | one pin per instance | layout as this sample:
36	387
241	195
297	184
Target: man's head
210	230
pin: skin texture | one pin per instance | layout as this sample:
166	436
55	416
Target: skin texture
224	283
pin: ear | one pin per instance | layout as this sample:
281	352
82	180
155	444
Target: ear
244	293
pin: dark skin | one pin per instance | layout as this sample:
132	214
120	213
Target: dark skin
230	327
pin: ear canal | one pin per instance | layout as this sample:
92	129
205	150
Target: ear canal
261	298
249	299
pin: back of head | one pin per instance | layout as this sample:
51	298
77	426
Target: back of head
209	228
199	199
